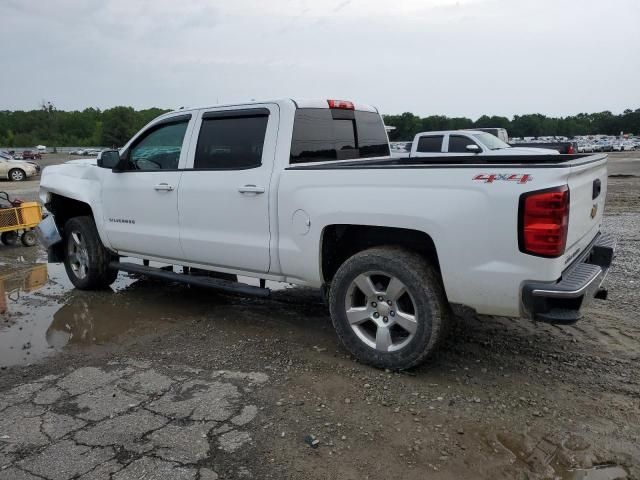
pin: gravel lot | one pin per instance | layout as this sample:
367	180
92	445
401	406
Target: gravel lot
155	380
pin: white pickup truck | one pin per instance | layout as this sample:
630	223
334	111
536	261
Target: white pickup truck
306	193
467	142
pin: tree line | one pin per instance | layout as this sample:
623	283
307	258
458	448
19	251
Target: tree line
531	125
87	128
114	126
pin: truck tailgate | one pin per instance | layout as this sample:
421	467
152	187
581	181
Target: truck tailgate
587	192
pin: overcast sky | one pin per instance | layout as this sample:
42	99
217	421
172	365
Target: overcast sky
450	57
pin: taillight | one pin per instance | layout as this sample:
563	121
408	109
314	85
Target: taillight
544	222
341	104
571	150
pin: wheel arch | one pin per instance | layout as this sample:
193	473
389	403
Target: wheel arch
341	241
63	209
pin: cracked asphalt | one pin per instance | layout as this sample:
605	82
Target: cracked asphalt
126	421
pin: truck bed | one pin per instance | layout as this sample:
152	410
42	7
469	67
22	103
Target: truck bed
446	161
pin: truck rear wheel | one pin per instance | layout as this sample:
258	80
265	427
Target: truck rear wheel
388	307
86	260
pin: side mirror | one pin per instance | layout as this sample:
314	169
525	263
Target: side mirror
473	148
109	159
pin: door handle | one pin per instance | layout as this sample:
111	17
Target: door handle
163	187
251	189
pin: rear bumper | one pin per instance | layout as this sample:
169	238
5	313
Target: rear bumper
562	301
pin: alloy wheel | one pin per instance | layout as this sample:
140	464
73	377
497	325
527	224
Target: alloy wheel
78	255
381	311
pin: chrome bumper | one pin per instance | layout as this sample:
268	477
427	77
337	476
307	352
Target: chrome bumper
562	301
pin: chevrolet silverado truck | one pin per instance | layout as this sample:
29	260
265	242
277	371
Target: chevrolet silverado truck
305	192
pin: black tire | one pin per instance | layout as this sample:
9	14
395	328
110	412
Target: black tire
29	238
17	175
80	234
9	238
423	288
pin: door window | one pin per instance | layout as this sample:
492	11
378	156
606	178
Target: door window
230	143
159	149
458	144
430	144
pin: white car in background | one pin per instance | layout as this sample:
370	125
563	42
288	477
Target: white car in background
16	170
467	142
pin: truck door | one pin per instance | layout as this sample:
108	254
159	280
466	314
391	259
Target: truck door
140	204
225	193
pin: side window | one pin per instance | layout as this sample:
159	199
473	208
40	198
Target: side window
230	143
159	149
458	144
430	144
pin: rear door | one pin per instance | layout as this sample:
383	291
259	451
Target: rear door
223	200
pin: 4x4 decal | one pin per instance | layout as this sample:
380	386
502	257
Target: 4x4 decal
508	177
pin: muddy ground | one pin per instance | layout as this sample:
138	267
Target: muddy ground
154	380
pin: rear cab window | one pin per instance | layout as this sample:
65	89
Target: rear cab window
430	144
322	134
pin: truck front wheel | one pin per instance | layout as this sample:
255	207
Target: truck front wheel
86	260
388	307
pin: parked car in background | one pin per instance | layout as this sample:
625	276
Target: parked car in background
559	144
17	170
305	192
581	147
604	146
467	142
88	152
400	149
31	155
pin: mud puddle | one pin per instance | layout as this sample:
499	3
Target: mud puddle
41	312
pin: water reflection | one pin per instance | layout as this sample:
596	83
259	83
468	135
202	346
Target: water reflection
15	283
41	312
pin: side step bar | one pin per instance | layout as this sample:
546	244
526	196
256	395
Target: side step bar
219	284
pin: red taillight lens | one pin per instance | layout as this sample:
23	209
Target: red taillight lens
544	222
571	150
342	104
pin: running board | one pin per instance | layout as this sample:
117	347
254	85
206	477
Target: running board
225	286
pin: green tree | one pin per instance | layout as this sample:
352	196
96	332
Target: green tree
118	125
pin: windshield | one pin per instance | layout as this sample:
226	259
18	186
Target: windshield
490	141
